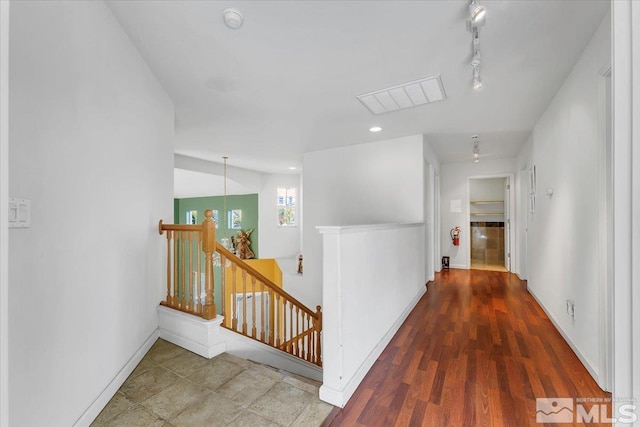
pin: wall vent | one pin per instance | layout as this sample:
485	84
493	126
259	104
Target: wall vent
406	95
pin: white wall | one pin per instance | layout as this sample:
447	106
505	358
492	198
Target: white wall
563	233
276	241
368	291
431	210
91	134
486	189
250	182
379	182
454	186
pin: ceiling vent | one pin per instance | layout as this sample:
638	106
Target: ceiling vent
407	95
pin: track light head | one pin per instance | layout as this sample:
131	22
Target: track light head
475	61
477	16
476	149
477	12
477	81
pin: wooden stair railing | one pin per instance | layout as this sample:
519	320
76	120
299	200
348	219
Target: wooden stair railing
252	305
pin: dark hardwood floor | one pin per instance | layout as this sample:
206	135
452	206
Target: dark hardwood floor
476	350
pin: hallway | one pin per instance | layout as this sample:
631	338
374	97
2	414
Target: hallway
476	350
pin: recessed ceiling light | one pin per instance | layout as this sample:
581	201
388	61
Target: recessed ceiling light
375	129
292	168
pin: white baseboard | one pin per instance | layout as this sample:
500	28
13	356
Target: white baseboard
341	397
192	346
101	401
459	266
585	362
194	333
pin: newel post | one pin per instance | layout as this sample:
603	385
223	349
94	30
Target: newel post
208	247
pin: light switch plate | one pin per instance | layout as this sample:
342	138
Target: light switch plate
19	213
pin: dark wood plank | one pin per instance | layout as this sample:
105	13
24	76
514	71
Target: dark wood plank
476	351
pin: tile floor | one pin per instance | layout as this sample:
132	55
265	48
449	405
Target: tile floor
174	387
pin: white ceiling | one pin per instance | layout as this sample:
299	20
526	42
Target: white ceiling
286	82
189	183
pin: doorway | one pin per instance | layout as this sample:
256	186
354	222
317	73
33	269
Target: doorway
489	223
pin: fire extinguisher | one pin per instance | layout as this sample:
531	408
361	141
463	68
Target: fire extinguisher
455	235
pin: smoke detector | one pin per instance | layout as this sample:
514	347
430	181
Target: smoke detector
232	18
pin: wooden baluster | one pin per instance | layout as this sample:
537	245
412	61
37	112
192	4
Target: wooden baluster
290	335
169	234
305	343
189	287
271	317
209	247
318	330
298	330
234	297
277	323
184	271
310	339
262	316
244	302
176	251
253	307
199	281
223	287
273	332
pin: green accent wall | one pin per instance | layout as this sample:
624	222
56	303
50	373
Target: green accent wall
248	203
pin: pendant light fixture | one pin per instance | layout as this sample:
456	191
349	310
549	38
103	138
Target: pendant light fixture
226	242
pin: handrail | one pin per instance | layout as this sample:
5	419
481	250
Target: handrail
258	308
231	256
296	338
162	227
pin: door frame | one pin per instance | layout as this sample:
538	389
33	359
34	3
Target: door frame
605	235
4	212
510	221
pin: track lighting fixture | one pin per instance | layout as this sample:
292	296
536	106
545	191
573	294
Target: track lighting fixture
477	81
475	61
477	18
476	149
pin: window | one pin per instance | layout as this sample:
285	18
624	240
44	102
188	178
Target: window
286	207
235	219
192	217
215	217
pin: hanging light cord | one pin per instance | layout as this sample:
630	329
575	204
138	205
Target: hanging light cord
226	227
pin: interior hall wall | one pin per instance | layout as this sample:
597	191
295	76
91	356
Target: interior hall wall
563	232
91	146
371	183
